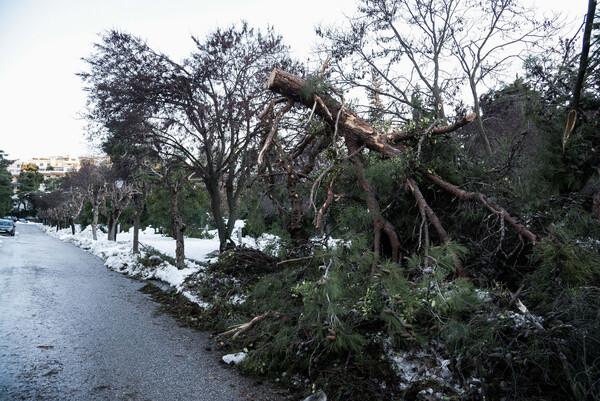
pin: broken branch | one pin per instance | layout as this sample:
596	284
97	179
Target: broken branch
487	202
273	130
241	328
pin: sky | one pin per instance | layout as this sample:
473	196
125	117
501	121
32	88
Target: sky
42	43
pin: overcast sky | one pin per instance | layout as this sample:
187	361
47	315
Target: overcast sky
42	42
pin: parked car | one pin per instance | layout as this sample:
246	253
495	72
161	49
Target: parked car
23	221
13	218
7	226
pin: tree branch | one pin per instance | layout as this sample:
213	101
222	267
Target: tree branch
487	202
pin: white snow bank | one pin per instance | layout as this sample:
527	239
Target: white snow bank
118	255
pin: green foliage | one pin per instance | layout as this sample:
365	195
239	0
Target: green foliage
194	206
320	324
552	349
260	216
338	315
314	85
6	190
552	79
29	179
52	184
440	259
386	174
567	260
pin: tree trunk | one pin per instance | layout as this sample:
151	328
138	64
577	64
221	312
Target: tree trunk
439	105
109	223
178	228
136	231
230	197
583	62
480	129
139	202
297	220
352	126
113	221
379	222
358	129
212	186
95	211
573	115
72	224
179	248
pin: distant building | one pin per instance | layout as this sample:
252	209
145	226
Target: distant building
50	167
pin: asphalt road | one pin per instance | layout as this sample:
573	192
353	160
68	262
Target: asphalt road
70	329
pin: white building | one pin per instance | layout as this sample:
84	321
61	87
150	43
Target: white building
50	167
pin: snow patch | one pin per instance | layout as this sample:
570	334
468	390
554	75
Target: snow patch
414	366
118	255
234	359
320	396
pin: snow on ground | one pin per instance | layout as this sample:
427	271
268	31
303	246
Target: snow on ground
118	255
234	359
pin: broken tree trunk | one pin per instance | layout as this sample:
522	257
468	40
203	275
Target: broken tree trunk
354	127
357	133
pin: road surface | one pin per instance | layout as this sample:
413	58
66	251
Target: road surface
70	329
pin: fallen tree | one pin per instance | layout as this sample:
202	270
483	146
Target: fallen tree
358	134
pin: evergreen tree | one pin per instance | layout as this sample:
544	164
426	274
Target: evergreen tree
28	183
5	185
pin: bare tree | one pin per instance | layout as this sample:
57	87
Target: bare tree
423	51
404	47
115	197
487	37
289	154
85	185
202	110
172	176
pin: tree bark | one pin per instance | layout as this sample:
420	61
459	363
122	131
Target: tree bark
115	224
139	202
178	228
354	127
95	213
480	129
136	231
487	202
212	187
379	222
297	217
110	223
583	62
572	117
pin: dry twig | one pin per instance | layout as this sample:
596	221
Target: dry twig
241	328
